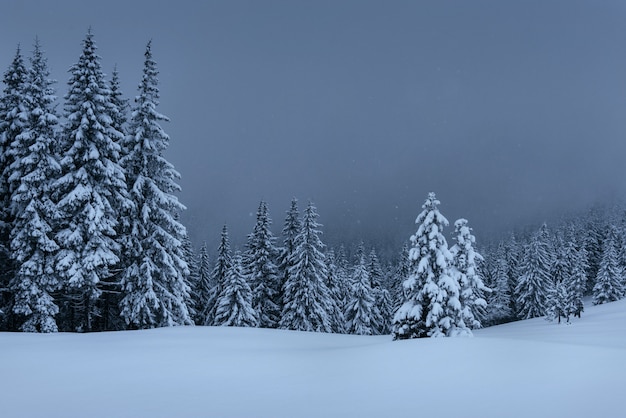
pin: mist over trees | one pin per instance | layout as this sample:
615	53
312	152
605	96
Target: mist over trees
91	238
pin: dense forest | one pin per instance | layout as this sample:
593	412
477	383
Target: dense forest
91	238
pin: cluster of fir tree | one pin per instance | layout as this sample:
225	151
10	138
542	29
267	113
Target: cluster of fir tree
89	236
551	271
443	293
300	285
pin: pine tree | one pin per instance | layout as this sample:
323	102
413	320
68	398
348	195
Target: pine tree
12	115
261	271
400	275
91	191
218	277
360	305
119	103
432	306
290	231
608	284
535	282
464	261
202	291
306	297
578	277
234	303
33	166
154	286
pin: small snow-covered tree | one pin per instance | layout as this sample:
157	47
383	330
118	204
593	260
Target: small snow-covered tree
535	282
432	306
380	321
464	262
33	167
559	295
218	277
234	303
577	284
609	285
360	305
154	286
90	192
259	266
306	297
499	306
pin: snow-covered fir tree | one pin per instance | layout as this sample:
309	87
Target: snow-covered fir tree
558	298
33	167
464	262
361	301
609	283
91	191
499	306
381	321
290	231
217	278
12	115
259	266
535	282
191	278
120	104
432	307
153	283
335	288
401	273
577	285
234	303
306	297
202	291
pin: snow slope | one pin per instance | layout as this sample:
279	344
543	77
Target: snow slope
526	369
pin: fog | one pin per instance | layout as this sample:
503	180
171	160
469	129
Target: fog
511	111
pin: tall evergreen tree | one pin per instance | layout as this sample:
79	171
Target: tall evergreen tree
609	284
259	266
154	286
91	190
119	103
32	169
465	260
432	306
380	321
361	300
400	275
218	277
234	303
558	298
535	282
577	255
306	297
499	306
335	288
290	231
12	115
203	287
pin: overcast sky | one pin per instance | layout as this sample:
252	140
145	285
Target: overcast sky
511	111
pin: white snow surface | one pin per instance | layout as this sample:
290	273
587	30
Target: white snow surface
531	368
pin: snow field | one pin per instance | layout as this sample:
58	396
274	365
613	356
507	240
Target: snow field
530	368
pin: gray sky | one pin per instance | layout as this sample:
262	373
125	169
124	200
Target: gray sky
511	111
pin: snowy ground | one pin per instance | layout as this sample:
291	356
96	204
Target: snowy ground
526	369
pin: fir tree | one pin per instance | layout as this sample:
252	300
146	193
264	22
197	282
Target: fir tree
334	283
119	103
306	297
558	297
359	308
33	167
290	231
154	286
234	303
218	277
464	261
12	119
608	284
535	282
260	268
578	277
380	322
202	291
400	275
91	190
431	307
499	306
